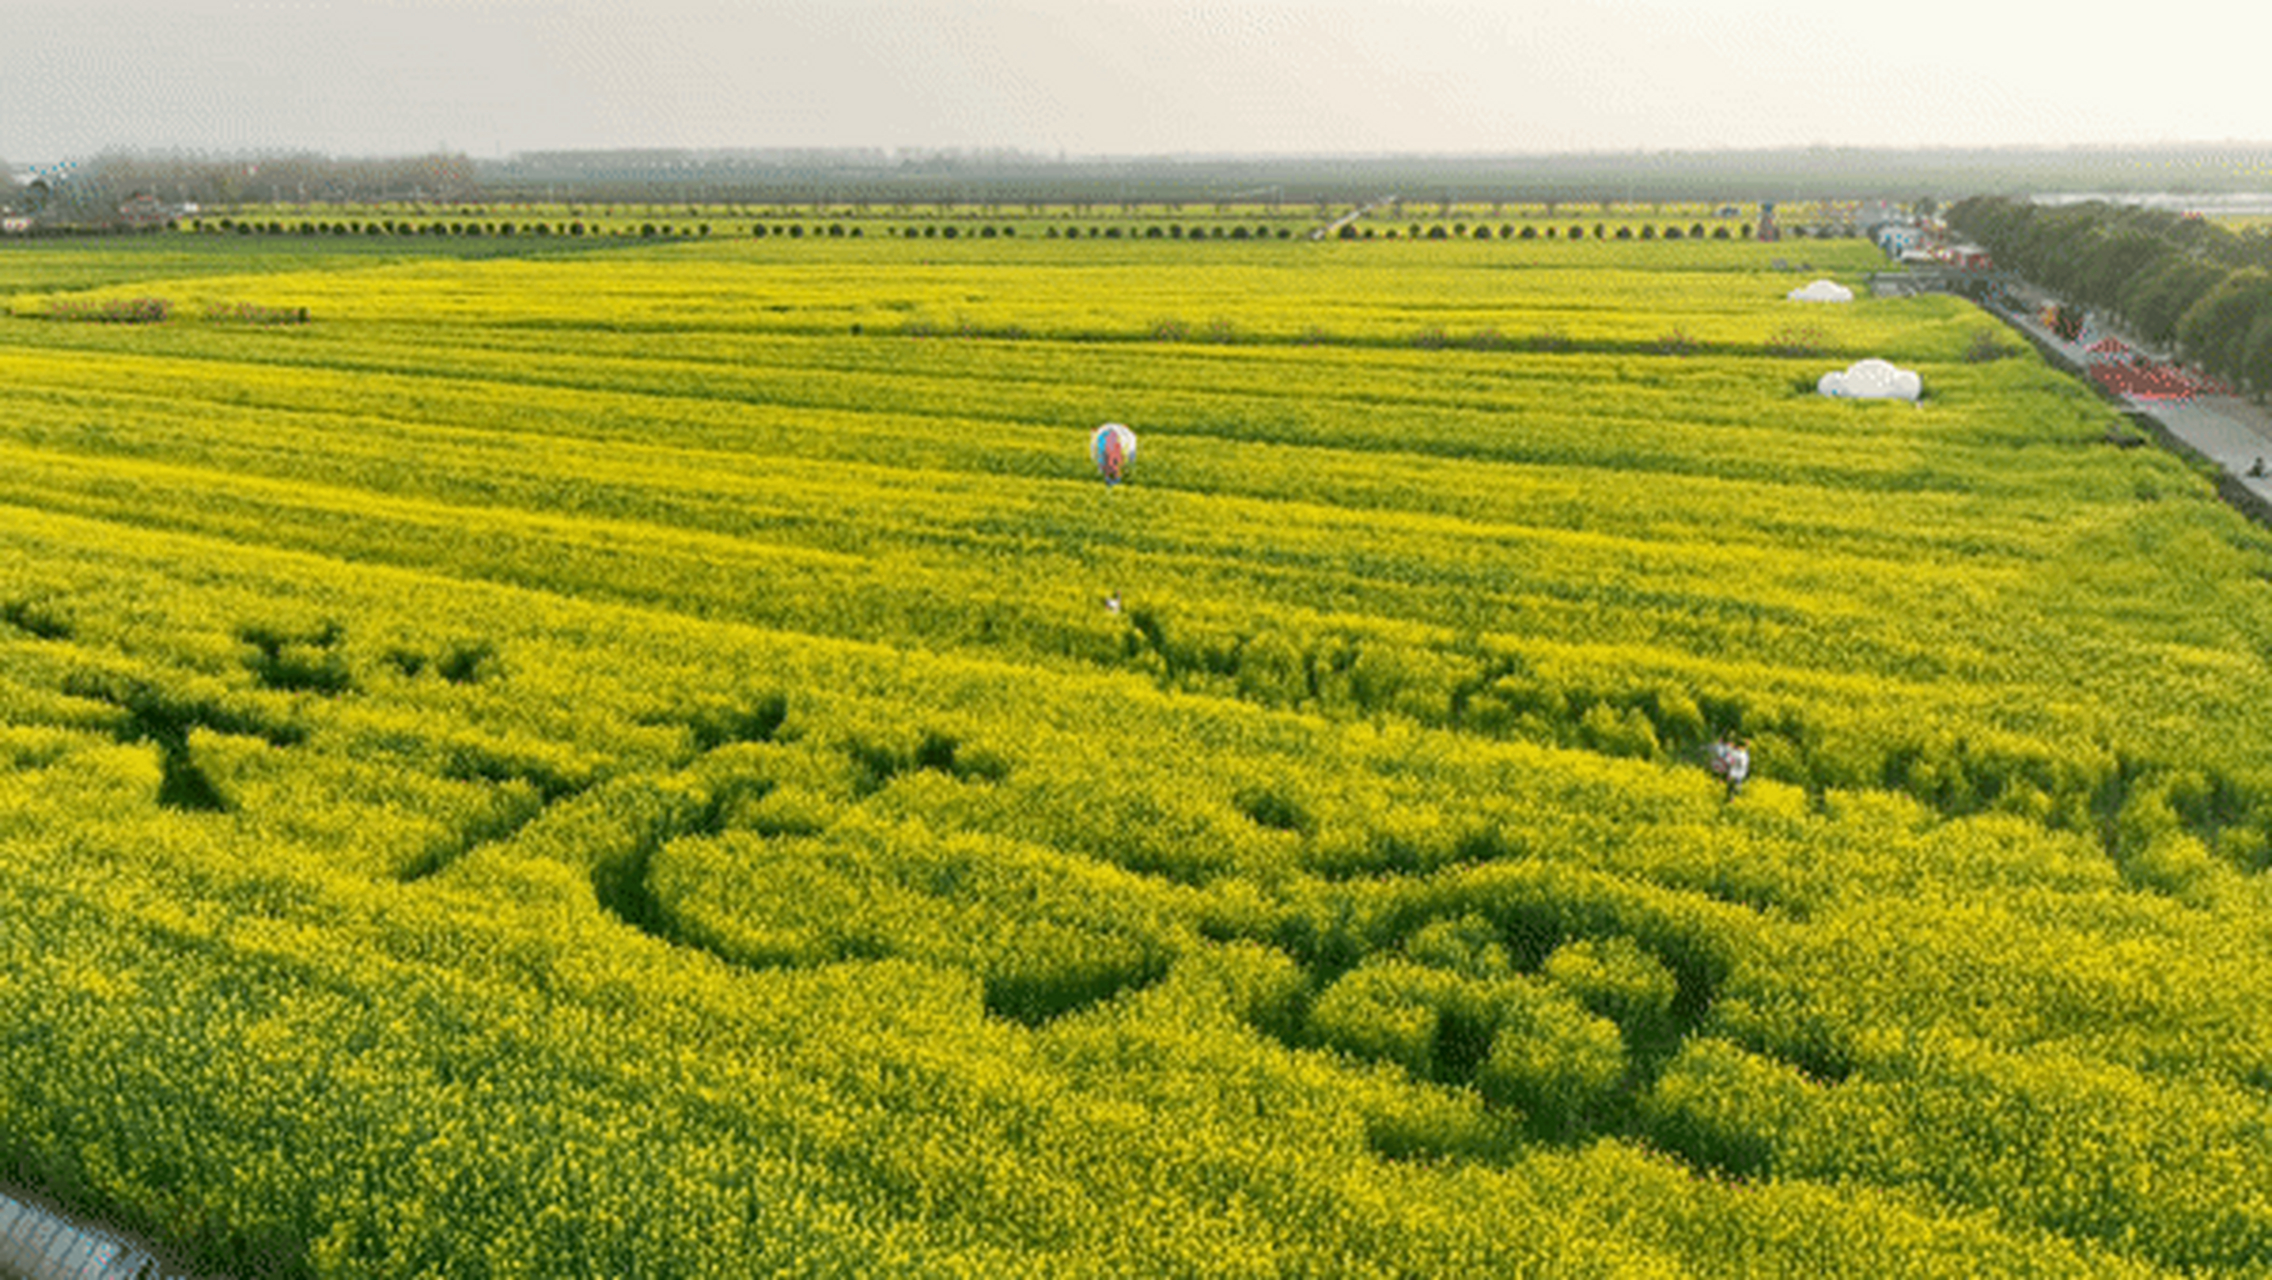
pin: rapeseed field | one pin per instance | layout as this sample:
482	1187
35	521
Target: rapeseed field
663	757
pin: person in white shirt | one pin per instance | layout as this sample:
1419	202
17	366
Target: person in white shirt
1739	766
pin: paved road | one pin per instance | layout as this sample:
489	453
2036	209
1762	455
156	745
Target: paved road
1333	228
2234	432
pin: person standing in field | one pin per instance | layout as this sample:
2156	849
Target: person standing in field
1738	766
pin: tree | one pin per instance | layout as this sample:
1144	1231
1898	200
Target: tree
2215	330
2157	301
2107	266
85	199
2255	371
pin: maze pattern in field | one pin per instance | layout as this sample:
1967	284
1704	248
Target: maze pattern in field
618	763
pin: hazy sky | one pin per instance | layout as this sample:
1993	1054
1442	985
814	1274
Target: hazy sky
1119	77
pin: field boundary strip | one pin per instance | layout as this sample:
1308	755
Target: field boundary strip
40	1243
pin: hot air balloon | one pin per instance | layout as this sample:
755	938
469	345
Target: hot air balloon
1114	447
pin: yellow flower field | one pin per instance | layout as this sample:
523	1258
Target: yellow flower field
616	761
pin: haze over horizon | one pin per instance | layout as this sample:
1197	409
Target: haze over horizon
1111	77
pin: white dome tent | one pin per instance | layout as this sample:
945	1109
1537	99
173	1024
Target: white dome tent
1821	291
1872	380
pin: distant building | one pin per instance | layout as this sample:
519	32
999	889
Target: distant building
1969	257
143	211
1898	238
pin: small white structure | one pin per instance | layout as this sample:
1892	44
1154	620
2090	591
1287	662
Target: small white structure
1872	380
1822	291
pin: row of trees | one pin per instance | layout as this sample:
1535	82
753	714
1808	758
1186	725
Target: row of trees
92	194
2174	280
1577	231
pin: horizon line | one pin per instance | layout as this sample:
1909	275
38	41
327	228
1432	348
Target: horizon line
1067	157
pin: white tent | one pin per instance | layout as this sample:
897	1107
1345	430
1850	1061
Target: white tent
1872	380
1822	291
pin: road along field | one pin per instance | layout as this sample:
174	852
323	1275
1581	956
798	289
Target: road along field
618	762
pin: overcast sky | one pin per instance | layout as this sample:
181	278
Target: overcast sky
1119	77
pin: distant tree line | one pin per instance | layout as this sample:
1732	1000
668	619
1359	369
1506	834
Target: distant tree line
246	226
2175	281
997	179
1002	178
92	194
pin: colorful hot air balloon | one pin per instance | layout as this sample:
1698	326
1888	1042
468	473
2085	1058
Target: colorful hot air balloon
1114	447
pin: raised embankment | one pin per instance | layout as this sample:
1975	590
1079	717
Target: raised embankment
2182	427
38	1243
